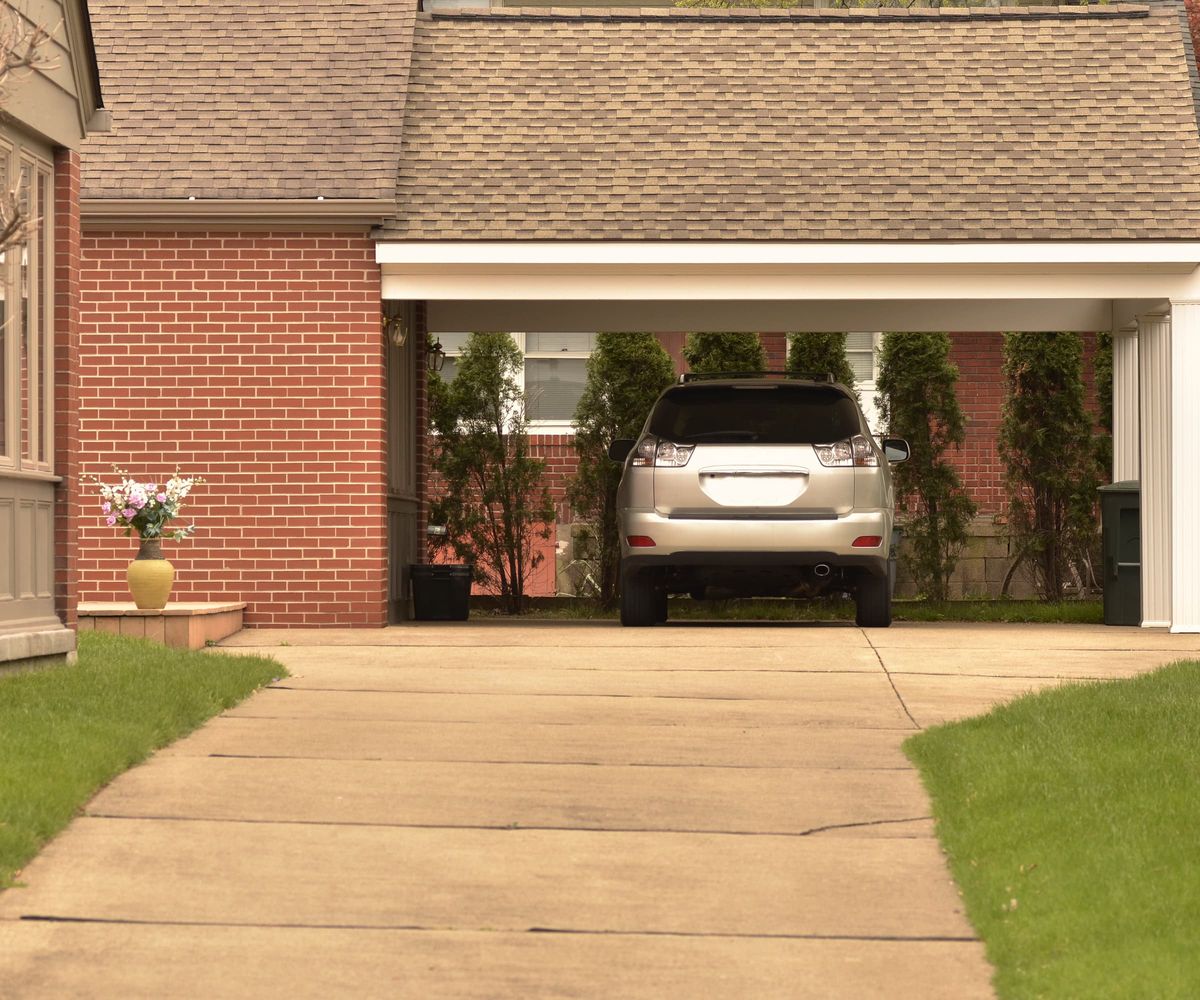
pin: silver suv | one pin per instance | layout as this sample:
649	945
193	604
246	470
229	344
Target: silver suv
756	486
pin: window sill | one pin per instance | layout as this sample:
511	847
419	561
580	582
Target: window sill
9	472
551	427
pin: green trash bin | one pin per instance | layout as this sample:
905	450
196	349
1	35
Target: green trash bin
1120	508
441	592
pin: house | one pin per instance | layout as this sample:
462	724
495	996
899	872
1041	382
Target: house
49	107
296	197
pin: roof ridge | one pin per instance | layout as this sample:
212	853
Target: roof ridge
804	14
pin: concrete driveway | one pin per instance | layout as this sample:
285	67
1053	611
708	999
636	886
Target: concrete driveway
545	810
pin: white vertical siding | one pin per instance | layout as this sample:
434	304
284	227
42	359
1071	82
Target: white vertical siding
1125	405
1185	467
1154	391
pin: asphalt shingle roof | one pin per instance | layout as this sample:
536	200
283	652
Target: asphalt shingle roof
250	98
960	124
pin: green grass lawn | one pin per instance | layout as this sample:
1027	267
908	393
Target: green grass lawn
1071	819
1072	612
66	731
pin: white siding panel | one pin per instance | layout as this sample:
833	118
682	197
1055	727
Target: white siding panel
1185	468
1154	385
1125	405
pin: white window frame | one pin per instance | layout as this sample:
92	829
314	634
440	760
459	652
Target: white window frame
549	426
20	154
867	390
540	427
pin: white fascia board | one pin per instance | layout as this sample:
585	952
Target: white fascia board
475	254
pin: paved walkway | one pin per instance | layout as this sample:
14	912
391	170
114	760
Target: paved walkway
545	810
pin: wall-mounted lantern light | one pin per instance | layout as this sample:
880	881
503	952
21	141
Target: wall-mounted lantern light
397	322
436	356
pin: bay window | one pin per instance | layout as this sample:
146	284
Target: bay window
26	318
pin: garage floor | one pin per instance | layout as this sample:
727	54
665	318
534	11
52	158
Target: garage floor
546	809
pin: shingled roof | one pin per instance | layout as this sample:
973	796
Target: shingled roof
256	99
1044	123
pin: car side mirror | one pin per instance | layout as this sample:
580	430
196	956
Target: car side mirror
895	450
619	450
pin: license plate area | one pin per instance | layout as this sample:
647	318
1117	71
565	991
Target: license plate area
753	487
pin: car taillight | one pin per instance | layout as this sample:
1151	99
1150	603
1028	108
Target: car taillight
867	541
855	451
643	453
640	541
673	456
665	454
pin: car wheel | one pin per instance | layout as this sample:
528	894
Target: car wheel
873	602
660	605
638	600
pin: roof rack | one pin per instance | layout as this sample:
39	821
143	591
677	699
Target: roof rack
700	376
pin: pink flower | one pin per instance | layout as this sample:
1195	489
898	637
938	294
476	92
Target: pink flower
128	513
111	519
161	498
106	507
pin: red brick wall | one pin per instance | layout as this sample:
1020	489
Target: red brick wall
66	379
254	359
980	360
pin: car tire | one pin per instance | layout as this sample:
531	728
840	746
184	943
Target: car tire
639	600
660	605
873	602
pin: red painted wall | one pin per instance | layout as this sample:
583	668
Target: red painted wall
254	359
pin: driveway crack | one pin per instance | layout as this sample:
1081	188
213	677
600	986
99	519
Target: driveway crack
888	674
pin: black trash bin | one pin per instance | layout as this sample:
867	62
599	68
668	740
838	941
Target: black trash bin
1120	507
441	592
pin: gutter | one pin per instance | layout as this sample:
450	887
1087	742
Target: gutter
241	212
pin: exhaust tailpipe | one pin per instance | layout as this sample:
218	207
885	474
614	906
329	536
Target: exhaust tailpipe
821	570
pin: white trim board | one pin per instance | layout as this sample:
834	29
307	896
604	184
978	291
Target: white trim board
1184	254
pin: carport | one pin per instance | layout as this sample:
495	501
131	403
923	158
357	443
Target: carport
985	169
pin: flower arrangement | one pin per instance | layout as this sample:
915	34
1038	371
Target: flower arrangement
146	508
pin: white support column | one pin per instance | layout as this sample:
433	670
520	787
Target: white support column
1155	395
1125	404
1185	471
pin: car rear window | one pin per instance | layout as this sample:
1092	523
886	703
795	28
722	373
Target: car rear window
766	414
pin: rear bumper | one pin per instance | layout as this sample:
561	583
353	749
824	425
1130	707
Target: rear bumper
756	543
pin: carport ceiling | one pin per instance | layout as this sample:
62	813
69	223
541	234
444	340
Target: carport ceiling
792	316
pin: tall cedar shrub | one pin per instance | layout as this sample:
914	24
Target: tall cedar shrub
625	374
707	353
1047	447
1102	368
817	354
917	402
494	503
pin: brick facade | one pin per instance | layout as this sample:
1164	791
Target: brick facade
67	263
254	359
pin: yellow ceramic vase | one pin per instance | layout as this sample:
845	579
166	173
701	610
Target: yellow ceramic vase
150	576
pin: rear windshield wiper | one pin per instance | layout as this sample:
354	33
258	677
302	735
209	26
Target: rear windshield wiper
722	435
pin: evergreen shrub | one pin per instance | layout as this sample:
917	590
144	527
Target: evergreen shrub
1048	451
707	353
625	374
918	402
494	502
816	354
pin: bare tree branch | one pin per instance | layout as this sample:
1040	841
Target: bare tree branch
22	51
